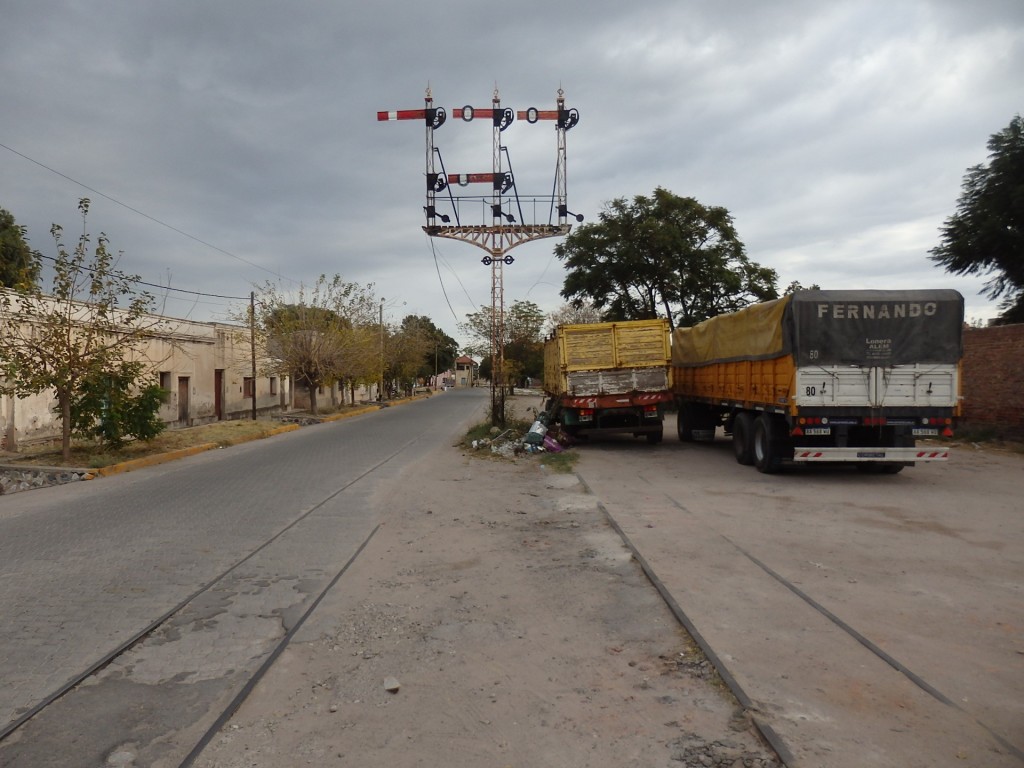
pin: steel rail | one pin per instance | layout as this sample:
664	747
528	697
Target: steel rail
153	626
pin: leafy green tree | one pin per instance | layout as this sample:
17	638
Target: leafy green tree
91	324
115	406
986	234
328	332
19	264
523	342
662	256
440	349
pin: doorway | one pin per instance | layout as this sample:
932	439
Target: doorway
218	393
183	400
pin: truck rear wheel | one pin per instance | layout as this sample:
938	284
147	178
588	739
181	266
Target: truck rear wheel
743	438
766	448
695	422
684	423
655	437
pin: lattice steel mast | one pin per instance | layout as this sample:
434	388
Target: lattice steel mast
504	232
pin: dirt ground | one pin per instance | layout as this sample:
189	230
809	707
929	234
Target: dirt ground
495	619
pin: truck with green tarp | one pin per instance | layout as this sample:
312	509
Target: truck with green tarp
825	376
604	378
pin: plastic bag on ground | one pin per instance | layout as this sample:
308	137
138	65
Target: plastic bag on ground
552	445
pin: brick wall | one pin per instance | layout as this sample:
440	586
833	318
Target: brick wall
993	379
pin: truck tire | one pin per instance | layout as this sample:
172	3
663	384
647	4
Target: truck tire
695	422
766	449
655	437
743	438
686	422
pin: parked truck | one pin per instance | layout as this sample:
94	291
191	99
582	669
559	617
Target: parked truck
602	378
825	376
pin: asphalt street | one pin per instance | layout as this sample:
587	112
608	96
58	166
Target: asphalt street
87	567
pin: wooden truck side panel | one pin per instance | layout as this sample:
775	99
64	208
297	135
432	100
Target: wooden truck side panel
607	358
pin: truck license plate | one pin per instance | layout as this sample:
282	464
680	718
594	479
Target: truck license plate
926	432
818	431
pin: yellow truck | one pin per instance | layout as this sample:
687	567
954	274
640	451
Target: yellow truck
825	376
602	378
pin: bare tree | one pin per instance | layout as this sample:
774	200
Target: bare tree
573	313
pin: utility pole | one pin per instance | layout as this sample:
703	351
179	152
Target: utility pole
252	346
380	388
505	231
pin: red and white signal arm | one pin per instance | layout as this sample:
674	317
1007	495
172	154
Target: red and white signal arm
532	115
566	118
434	116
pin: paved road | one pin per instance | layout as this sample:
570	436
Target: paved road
874	620
84	568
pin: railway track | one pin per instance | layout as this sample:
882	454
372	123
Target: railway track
67	714
767	731
802	593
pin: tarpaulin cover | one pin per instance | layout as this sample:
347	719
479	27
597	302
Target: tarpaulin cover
877	327
753	333
857	327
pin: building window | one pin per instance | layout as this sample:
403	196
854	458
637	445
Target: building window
165	380
248	387
273	385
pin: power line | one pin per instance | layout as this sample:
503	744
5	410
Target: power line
441	281
154	285
140	213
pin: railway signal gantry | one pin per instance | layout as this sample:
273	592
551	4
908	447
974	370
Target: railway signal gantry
500	221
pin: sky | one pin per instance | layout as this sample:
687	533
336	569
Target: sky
227	143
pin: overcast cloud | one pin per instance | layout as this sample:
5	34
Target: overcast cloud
244	134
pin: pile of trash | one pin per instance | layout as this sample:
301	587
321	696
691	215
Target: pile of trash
537	440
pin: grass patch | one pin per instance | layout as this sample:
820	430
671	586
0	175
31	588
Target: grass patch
94	456
563	463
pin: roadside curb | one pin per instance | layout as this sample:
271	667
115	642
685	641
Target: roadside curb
350	414
181	453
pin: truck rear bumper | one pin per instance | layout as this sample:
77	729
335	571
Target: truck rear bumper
887	455
624	400
637	429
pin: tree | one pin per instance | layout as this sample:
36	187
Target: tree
19	264
662	256
573	313
87	331
326	333
112	406
986	234
523	343
440	349
795	286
